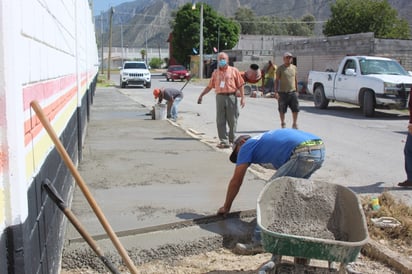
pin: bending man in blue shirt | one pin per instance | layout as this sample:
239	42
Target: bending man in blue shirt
291	152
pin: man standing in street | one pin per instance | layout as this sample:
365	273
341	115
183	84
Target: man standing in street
285	90
270	78
226	81
408	149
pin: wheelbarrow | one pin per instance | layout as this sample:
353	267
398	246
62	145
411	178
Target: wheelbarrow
310	220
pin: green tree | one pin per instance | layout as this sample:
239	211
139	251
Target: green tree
271	25
309	21
186	32
354	16
297	27
247	21
143	53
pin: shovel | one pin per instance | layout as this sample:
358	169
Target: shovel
56	198
188	80
80	182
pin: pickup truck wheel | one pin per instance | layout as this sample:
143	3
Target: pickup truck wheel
123	84
368	105
319	98
148	84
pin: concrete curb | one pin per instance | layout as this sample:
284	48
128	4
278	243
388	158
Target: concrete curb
384	255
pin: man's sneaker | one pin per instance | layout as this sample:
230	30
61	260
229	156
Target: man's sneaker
223	145
249	249
405	184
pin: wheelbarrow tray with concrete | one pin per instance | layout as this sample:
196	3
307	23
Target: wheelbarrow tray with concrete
313	220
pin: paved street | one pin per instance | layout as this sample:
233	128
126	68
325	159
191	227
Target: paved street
363	153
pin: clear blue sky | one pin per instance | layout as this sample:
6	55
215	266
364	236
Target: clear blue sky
104	5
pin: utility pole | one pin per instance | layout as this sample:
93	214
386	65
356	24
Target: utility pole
109	59
101	42
201	39
201	43
145	34
121	39
218	39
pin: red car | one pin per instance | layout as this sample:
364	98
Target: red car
176	72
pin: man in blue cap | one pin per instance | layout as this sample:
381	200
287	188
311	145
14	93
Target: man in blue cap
291	152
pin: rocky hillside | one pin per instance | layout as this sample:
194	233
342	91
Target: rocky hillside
147	21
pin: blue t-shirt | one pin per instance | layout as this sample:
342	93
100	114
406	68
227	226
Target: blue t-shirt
273	147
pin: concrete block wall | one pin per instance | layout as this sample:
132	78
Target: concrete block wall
320	53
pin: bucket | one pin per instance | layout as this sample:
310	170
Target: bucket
160	111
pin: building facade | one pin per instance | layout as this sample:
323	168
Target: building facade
318	53
48	55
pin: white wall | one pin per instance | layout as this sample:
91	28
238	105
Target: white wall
47	50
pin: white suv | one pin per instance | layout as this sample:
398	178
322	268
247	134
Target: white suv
135	73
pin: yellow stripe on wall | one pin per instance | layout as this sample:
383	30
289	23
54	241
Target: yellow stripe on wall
35	156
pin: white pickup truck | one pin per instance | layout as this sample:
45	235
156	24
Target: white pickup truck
367	81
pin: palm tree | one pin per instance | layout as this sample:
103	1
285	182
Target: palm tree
143	53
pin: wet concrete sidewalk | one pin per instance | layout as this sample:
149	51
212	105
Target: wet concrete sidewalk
149	176
159	188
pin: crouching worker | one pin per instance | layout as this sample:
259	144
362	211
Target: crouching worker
172	96
291	152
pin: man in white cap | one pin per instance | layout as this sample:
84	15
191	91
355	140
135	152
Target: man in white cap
285	90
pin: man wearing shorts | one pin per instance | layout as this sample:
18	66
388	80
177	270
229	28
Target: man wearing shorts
285	90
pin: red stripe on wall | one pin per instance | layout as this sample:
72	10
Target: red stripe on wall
4	159
33	126
43	91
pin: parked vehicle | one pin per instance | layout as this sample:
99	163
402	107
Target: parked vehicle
367	81
176	72
135	73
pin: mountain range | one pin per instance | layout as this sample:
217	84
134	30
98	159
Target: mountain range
145	23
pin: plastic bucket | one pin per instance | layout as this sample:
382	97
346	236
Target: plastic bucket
160	111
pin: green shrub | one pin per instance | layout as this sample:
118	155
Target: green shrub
155	63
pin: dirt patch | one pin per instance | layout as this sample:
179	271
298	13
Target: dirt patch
398	238
209	255
223	261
